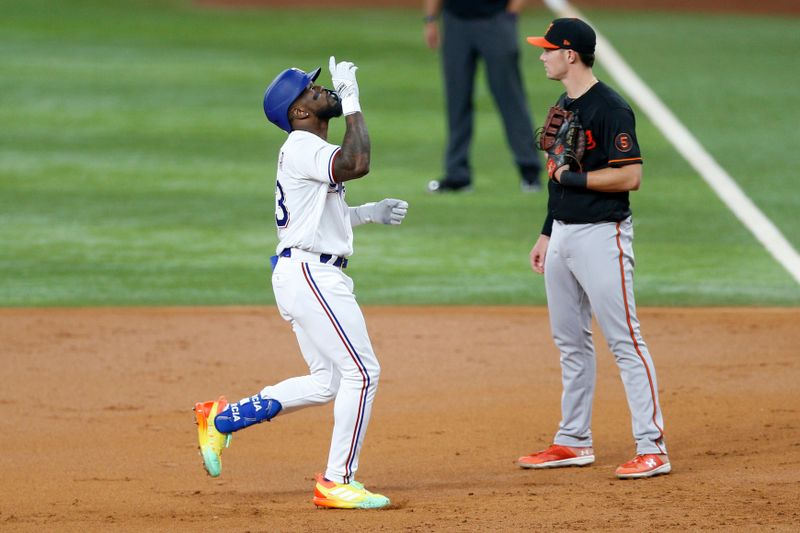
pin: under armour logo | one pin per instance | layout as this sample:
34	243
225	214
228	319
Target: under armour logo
650	462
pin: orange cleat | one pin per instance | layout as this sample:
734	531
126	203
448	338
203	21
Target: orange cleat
647	465
557	456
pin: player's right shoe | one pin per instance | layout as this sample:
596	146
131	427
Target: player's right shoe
351	495
211	440
557	456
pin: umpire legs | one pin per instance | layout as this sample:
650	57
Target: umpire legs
500	50
459	62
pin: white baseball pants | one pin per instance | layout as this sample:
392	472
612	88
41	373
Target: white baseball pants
317	299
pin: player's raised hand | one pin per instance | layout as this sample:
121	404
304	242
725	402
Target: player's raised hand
343	76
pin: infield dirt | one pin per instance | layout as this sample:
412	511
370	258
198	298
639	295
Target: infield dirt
99	433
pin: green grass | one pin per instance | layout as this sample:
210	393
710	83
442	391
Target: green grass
136	166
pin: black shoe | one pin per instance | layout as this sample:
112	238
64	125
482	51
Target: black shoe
440	186
530	186
530	178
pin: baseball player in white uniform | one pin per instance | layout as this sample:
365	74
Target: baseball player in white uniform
311	288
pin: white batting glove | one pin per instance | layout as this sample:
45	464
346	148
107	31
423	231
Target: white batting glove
387	211
343	76
390	211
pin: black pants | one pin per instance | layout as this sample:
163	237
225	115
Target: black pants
494	39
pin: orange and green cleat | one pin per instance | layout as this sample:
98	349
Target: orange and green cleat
211	440
351	495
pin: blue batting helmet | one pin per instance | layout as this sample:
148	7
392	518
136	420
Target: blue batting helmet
284	90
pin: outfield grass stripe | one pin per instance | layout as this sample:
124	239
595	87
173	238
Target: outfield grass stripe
137	167
690	148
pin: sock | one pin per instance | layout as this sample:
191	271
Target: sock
246	412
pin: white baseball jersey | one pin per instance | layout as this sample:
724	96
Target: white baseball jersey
310	210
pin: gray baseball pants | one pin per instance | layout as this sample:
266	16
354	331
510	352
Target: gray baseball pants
589	269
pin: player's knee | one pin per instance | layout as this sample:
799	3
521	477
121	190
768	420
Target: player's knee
327	388
327	394
371	370
358	378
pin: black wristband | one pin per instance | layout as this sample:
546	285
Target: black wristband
430	18
573	179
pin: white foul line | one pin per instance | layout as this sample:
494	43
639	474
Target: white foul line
690	148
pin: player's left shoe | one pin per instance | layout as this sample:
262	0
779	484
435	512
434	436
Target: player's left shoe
646	465
351	495
557	456
530	186
445	185
211	440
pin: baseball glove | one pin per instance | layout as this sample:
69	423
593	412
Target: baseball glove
563	139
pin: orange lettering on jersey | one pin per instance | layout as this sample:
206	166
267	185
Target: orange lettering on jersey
590	142
551	167
623	142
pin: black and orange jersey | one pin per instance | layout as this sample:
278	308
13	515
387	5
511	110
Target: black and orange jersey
610	129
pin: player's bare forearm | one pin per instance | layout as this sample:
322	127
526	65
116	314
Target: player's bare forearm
353	160
610	179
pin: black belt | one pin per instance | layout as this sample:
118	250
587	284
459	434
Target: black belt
323	258
574	222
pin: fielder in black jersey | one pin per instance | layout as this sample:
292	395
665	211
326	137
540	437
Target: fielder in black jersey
609	126
585	252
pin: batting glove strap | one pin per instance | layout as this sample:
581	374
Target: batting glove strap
361	214
350	104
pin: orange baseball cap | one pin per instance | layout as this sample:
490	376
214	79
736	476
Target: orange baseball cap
568	34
